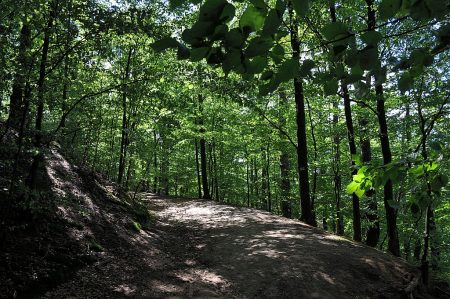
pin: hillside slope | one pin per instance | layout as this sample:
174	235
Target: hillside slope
99	245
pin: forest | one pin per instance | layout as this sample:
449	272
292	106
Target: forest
329	112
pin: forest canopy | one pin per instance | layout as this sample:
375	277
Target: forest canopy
332	112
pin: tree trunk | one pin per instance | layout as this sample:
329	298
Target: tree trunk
124	137
204	167
302	149
247	168
351	141
391	213
16	100
430	225
285	183
155	163
197	165
38	158
216	173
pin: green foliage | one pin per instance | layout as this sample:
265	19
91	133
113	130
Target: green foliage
136	226
252	19
301	7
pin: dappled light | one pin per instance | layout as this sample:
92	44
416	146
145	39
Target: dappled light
224	149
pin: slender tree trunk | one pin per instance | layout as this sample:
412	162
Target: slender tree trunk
125	122
197	165
38	158
255	180
285	183
165	172
247	167
264	204
429	217
391	213
269	195
315	170
206	194
373	232
155	163
16	100
337	174
216	173
211	171
20	138
307	214
337	177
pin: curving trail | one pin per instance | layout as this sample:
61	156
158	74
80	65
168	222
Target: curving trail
202	249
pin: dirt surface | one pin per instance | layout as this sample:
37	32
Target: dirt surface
88	243
201	249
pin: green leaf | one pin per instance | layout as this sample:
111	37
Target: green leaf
255	65
438	182
301	7
259	46
266	75
228	13
360	192
436	146
211	10
421	57
306	67
183	52
405	82
351	58
265	89
215	56
258	3
232	61
331	87
417	171
352	187
219	32
430	166
335	31
352	78
234	38
164	44
198	54
362	89
287	70
357	159
272	23
388	8
252	19
438	8
371	38
368	58
277	54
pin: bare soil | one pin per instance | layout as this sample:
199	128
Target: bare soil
202	249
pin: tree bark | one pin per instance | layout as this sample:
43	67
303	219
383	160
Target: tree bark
391	213
16	99
37	159
204	167
197	166
124	137
306	214
285	183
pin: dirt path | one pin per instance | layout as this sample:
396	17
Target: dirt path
201	249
